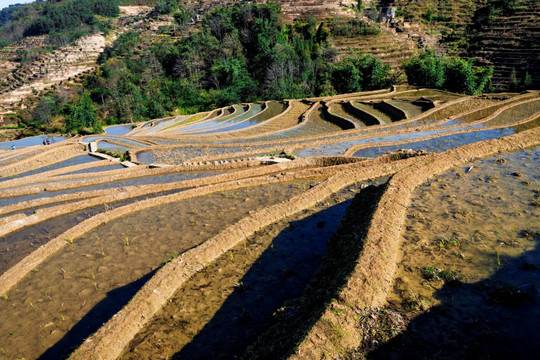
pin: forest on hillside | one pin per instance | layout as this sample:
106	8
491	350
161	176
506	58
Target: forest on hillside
239	53
63	21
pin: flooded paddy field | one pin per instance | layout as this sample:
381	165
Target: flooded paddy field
83	159
224	308
79	185
178	156
470	263
68	285
118	130
438	144
219	236
31	141
97	169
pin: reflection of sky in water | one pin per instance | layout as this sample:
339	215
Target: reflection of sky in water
240	110
242	120
341	147
118	130
163	124
439	144
35	140
112	147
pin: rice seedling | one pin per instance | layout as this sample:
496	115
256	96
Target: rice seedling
69	242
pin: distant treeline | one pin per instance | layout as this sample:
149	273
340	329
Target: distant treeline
64	20
68	15
7	13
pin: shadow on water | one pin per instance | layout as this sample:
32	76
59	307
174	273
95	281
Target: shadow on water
496	318
94	319
289	268
293	323
280	273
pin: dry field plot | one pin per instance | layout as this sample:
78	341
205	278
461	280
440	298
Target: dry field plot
330	227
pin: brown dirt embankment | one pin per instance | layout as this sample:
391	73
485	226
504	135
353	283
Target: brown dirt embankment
373	275
110	340
316	139
247	134
16	222
354	148
203	186
59	174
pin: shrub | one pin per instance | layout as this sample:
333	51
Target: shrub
449	73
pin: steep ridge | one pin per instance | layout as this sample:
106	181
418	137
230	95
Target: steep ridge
512	43
68	63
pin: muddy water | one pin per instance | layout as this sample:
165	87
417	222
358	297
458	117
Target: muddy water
84	159
515	113
97	169
75	291
478	221
223	309
16	246
160	179
178	156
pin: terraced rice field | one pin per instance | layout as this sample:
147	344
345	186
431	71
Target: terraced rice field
334	227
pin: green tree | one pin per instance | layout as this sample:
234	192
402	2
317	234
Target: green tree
425	70
346	77
459	76
165	6
448	73
80	116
